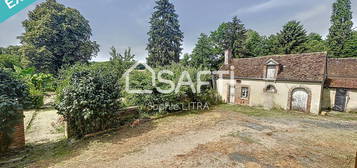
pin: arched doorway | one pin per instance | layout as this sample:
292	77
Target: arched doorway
300	100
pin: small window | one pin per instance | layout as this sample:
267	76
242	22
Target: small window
270	89
271	72
244	93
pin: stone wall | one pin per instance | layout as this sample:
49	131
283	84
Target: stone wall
18	140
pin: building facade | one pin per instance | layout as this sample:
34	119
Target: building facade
292	82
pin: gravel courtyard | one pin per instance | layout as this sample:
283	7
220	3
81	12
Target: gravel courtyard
225	136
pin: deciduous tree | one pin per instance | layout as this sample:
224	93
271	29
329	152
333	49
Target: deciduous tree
56	35
255	44
315	43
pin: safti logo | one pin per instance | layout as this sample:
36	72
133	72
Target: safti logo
184	80
9	8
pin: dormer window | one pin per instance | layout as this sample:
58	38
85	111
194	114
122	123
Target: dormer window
271	69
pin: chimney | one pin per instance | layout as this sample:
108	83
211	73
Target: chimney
227	56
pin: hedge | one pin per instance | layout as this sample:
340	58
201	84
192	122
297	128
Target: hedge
142	80
12	97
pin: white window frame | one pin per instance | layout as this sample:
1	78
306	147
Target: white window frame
271	72
244	93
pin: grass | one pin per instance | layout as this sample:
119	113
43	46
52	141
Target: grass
258	111
344	116
59	128
43	154
281	113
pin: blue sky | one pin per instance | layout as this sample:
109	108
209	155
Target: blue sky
124	23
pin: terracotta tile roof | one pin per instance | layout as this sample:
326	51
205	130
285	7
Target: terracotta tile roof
342	73
348	83
293	67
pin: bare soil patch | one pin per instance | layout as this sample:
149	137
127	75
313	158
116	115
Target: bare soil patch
226	136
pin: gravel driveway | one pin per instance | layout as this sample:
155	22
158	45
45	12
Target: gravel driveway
220	138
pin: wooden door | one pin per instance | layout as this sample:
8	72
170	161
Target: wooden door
299	100
340	100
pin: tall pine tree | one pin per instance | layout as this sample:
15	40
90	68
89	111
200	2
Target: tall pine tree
165	36
350	49
341	28
231	35
292	38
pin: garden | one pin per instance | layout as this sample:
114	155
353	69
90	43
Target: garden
89	96
106	126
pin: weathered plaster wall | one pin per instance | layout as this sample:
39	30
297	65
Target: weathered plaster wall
329	99
258	97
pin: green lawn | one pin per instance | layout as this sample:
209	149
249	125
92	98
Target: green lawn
281	113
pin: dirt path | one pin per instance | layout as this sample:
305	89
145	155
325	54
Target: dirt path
41	129
218	139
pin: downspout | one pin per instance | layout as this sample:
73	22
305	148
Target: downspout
323	84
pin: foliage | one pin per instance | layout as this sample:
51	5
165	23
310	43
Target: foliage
255	44
176	100
350	49
11	50
12	56
165	36
204	54
38	83
9	61
231	35
185	61
292	38
121	62
271	45
56	35
341	28
12	96
315	43
41	58
89	99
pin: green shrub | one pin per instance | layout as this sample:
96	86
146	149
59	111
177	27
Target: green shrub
185	96
89	99
12	96
38	83
9	61
35	99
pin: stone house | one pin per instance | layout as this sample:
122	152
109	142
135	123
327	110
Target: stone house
303	82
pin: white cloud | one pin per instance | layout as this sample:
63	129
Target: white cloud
271	4
313	13
187	47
